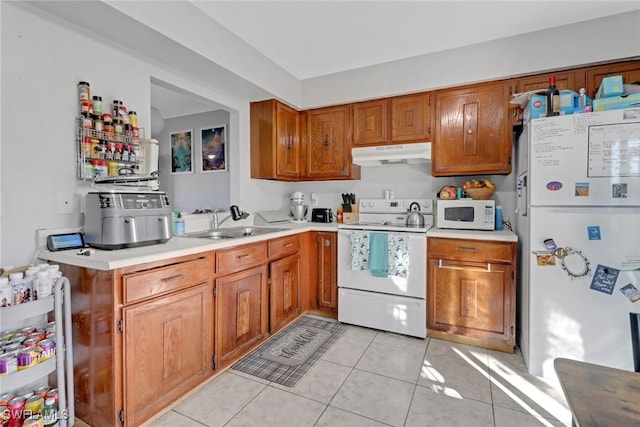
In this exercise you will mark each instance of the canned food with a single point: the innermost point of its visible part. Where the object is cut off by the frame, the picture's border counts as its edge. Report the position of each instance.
(26, 393)
(27, 330)
(16, 407)
(42, 391)
(5, 398)
(31, 342)
(50, 327)
(34, 404)
(12, 347)
(28, 358)
(8, 364)
(51, 336)
(5, 335)
(47, 349)
(4, 415)
(52, 394)
(34, 421)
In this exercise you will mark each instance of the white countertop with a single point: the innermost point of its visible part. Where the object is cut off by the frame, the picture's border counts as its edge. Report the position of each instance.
(496, 235)
(175, 247)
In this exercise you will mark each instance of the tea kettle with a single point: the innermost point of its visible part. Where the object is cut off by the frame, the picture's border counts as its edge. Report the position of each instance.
(414, 217)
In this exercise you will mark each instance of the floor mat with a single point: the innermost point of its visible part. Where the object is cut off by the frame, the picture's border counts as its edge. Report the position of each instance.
(290, 354)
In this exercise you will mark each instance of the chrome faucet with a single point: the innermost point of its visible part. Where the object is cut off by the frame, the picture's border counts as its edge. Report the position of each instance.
(236, 215)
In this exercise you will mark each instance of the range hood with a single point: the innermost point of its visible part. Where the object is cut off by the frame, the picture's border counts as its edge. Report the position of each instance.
(390, 154)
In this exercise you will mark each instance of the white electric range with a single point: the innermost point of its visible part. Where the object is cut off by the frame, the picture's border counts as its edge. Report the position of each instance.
(394, 302)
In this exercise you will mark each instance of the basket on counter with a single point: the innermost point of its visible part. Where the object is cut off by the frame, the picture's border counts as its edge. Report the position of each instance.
(480, 193)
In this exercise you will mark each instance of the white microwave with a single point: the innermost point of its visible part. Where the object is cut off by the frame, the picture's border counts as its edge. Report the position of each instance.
(466, 214)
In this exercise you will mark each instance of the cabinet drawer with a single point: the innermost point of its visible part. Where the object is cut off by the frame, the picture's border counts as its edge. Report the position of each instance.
(470, 250)
(161, 280)
(284, 246)
(242, 257)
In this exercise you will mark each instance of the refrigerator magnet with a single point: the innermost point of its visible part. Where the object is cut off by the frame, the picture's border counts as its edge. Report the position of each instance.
(619, 191)
(582, 189)
(604, 279)
(593, 232)
(631, 292)
(554, 185)
(545, 258)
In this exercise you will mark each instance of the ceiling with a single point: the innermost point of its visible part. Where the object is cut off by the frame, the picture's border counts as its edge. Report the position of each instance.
(314, 38)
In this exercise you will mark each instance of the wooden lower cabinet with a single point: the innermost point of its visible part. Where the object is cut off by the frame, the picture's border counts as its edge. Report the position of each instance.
(327, 244)
(471, 292)
(142, 337)
(165, 350)
(242, 312)
(284, 292)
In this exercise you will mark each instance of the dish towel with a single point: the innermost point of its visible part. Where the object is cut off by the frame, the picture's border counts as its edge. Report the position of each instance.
(378, 254)
(398, 255)
(359, 250)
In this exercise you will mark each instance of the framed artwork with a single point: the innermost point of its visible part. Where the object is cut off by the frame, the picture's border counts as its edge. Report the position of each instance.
(213, 152)
(182, 152)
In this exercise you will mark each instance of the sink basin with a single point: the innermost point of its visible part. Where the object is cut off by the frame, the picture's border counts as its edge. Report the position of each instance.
(232, 233)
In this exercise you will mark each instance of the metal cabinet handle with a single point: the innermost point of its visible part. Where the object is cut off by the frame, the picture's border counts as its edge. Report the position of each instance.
(243, 256)
(326, 141)
(288, 245)
(467, 249)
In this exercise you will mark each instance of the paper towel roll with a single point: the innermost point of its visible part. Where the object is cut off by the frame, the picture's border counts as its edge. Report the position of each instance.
(151, 156)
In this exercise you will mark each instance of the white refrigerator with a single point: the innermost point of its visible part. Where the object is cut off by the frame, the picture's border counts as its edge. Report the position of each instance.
(578, 224)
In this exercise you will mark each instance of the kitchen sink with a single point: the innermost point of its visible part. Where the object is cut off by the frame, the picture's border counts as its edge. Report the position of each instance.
(232, 233)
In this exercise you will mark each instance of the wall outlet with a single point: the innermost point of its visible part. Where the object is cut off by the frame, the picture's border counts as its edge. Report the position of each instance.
(66, 203)
(314, 199)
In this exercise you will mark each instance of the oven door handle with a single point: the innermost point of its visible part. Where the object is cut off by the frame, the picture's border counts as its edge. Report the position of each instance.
(454, 265)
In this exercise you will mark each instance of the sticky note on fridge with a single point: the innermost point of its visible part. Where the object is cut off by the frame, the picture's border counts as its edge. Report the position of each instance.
(594, 232)
(604, 279)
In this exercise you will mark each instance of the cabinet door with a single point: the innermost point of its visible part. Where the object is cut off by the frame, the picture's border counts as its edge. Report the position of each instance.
(167, 350)
(287, 148)
(370, 122)
(472, 131)
(469, 297)
(274, 142)
(328, 142)
(630, 72)
(327, 273)
(285, 292)
(411, 118)
(241, 312)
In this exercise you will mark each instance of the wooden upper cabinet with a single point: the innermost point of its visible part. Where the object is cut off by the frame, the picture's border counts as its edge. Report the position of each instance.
(411, 118)
(630, 72)
(275, 141)
(371, 122)
(569, 80)
(327, 143)
(472, 133)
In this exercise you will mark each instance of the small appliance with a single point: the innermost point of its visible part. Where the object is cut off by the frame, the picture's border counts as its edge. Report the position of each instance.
(321, 215)
(126, 219)
(466, 214)
(298, 209)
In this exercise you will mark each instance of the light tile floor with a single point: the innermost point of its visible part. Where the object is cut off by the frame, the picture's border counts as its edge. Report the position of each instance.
(374, 378)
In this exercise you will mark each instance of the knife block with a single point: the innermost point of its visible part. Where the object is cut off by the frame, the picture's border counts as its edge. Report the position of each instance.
(351, 217)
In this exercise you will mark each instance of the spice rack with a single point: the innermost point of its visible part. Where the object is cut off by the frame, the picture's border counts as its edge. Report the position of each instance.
(103, 153)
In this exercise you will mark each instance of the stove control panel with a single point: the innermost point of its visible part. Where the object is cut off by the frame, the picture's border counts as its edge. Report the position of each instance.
(395, 205)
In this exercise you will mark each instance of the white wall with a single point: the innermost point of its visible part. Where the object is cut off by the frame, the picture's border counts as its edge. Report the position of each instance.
(195, 190)
(43, 58)
(599, 40)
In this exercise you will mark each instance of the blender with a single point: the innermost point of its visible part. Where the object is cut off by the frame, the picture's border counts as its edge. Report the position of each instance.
(298, 210)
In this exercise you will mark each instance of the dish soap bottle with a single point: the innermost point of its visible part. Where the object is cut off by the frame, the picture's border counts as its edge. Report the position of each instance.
(178, 223)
